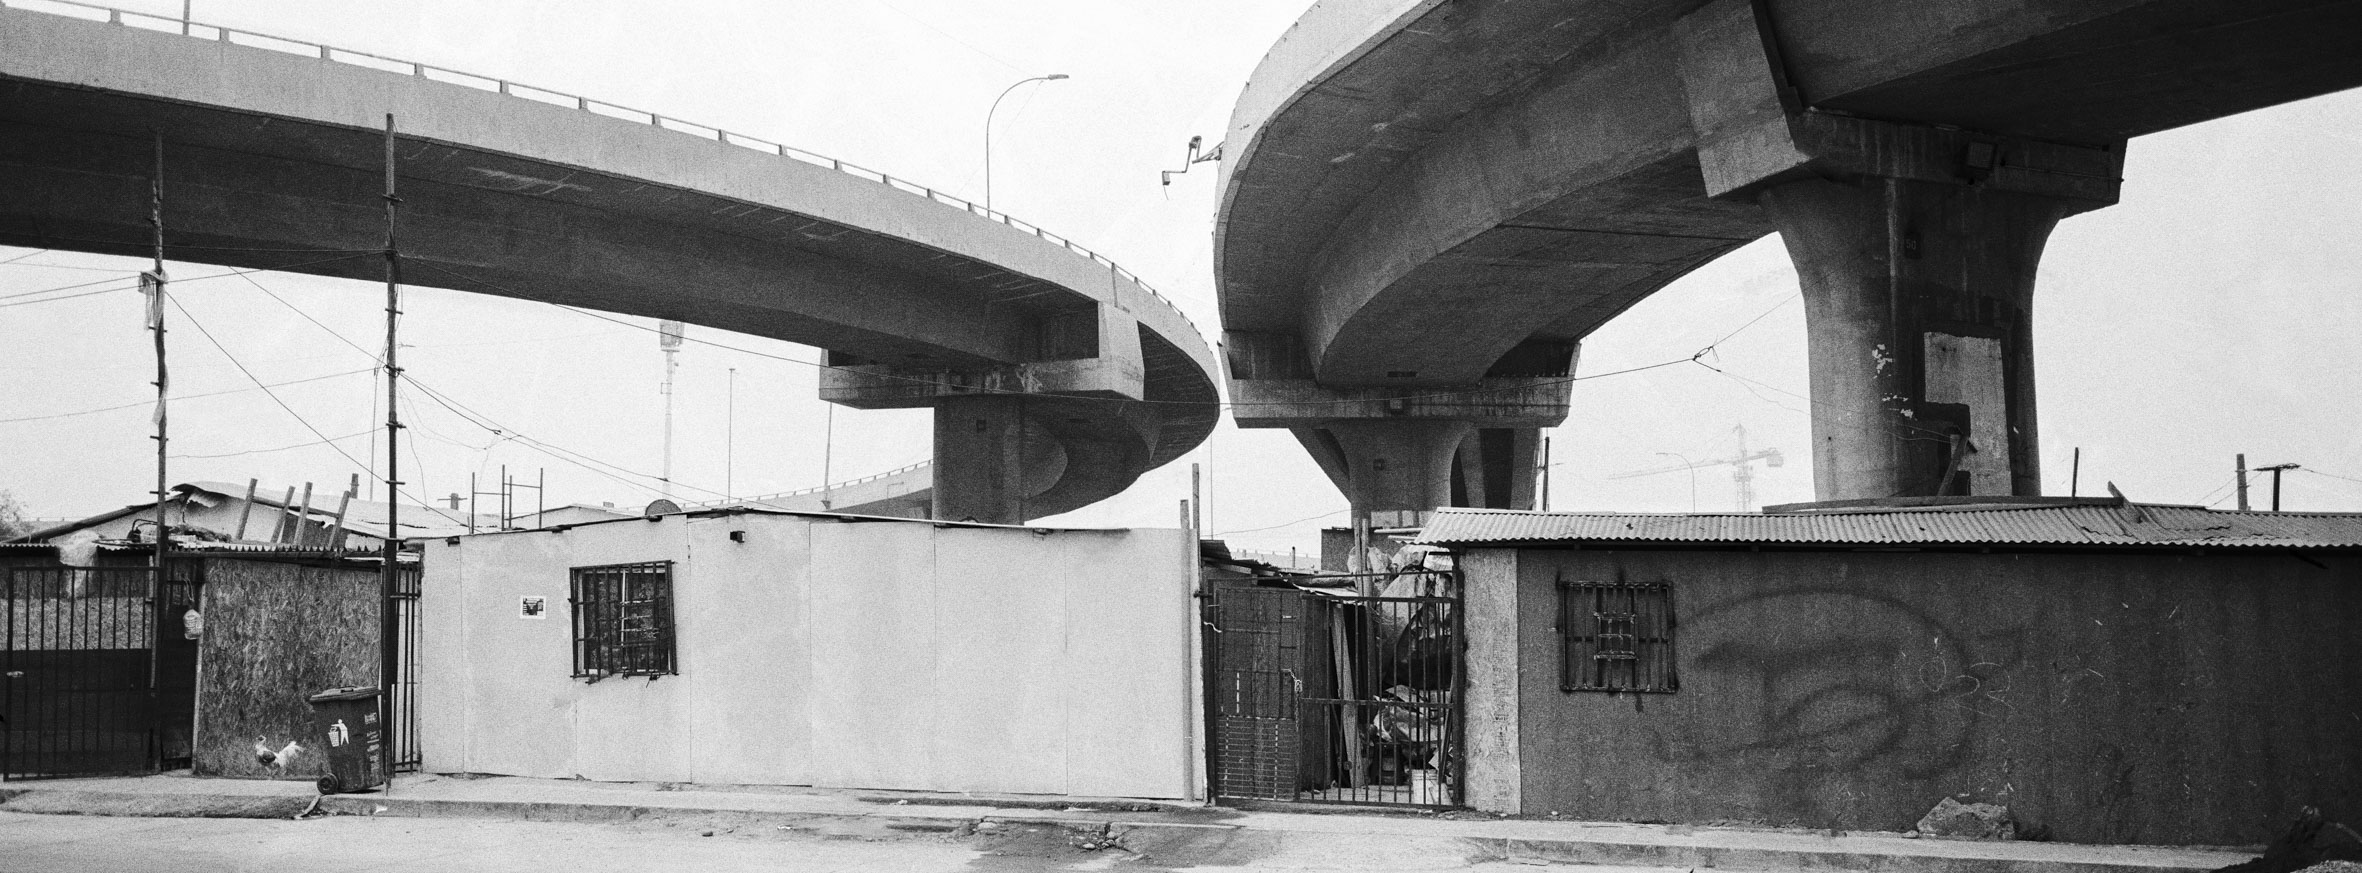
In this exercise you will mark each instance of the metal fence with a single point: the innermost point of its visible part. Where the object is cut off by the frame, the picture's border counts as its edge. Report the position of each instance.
(78, 672)
(1327, 692)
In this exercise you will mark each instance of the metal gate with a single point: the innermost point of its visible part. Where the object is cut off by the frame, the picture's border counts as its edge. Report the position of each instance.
(403, 690)
(87, 684)
(1336, 689)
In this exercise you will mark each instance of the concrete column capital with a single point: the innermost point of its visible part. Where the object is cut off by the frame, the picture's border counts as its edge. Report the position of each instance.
(1755, 130)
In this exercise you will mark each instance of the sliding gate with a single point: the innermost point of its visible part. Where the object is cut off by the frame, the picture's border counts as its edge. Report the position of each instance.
(87, 685)
(1325, 692)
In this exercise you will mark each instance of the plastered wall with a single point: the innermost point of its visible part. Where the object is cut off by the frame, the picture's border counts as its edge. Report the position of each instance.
(879, 654)
(2105, 698)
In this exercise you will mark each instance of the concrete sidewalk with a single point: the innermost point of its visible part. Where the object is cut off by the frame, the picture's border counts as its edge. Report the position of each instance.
(1151, 827)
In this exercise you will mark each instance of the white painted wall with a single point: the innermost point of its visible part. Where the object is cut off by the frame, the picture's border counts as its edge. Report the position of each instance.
(874, 654)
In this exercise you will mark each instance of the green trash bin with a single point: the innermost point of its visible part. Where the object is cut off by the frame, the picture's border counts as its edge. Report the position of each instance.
(347, 724)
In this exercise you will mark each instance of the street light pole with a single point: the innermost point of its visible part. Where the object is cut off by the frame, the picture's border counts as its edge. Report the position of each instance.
(1693, 477)
(996, 107)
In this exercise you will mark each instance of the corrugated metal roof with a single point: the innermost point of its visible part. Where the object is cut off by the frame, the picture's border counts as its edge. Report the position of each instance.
(2087, 524)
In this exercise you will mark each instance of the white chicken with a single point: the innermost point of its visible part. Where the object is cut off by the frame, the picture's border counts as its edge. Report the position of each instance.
(264, 755)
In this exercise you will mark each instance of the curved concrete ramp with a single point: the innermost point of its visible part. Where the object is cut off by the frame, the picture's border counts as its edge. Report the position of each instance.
(273, 158)
(1425, 195)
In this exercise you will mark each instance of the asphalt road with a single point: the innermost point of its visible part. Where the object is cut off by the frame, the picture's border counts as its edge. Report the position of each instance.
(348, 844)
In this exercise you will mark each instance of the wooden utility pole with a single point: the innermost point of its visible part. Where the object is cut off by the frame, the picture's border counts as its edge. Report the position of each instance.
(389, 579)
(2276, 470)
(2242, 482)
(152, 282)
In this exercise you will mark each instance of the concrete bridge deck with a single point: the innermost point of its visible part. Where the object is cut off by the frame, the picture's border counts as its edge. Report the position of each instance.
(1426, 195)
(273, 158)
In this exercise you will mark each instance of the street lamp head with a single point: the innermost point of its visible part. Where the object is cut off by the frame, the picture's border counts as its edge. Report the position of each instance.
(1055, 76)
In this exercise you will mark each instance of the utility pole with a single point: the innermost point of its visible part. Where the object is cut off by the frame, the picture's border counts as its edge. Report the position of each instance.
(2242, 482)
(2276, 470)
(389, 668)
(152, 282)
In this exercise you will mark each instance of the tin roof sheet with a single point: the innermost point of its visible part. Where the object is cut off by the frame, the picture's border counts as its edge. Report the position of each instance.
(2088, 524)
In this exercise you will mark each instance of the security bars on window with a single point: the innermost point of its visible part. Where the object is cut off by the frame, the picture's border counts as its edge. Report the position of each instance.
(1618, 636)
(623, 620)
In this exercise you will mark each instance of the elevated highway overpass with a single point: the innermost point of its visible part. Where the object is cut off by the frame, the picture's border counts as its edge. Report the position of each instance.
(1429, 203)
(1056, 377)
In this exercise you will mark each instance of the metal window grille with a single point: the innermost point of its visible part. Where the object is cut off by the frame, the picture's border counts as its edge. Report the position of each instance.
(1618, 636)
(623, 620)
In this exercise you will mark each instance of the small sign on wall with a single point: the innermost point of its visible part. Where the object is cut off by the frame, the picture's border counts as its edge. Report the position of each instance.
(533, 607)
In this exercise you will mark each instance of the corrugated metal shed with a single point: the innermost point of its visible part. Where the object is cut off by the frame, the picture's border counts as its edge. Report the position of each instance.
(2079, 524)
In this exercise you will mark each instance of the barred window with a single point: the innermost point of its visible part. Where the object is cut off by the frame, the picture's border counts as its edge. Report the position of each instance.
(623, 620)
(1618, 636)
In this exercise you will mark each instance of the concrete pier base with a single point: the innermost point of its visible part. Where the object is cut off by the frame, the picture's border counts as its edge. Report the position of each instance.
(989, 459)
(1918, 300)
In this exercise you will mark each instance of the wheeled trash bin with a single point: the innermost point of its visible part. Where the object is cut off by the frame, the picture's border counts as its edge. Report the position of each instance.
(347, 724)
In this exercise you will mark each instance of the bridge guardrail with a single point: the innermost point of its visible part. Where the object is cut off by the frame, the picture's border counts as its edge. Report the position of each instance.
(251, 39)
(837, 486)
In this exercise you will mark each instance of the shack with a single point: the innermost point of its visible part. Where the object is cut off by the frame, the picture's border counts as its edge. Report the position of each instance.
(2112, 672)
(772, 647)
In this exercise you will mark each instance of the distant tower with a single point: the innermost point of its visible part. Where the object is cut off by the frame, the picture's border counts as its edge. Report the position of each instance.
(668, 338)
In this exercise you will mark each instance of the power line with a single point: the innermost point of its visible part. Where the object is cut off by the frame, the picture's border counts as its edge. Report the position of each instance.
(1281, 525)
(299, 419)
(135, 284)
(970, 389)
(185, 397)
(283, 448)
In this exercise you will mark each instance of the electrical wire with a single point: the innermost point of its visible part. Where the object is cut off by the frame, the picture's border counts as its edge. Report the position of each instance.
(2330, 475)
(283, 448)
(299, 419)
(969, 389)
(136, 285)
(477, 419)
(1282, 524)
(152, 402)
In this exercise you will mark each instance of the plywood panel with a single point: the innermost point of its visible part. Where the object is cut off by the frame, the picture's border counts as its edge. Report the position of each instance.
(275, 634)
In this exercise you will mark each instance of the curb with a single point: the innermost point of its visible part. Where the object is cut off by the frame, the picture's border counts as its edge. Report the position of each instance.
(1156, 837)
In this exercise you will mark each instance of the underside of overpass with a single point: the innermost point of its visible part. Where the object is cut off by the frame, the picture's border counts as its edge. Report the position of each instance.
(1430, 203)
(277, 161)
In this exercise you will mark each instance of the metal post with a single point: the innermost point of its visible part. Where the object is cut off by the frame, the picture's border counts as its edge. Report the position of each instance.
(996, 107)
(730, 436)
(2242, 474)
(2075, 475)
(389, 664)
(828, 444)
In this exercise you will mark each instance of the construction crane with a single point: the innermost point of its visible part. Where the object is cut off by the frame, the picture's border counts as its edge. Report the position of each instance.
(1742, 464)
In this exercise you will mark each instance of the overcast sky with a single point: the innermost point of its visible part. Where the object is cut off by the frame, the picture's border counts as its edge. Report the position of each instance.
(2213, 311)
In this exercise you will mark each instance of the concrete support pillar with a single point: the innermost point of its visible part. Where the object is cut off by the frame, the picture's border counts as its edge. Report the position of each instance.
(1918, 300)
(980, 457)
(1916, 243)
(1394, 471)
(1495, 468)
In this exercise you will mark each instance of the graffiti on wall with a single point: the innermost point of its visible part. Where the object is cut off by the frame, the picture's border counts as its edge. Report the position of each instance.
(1825, 694)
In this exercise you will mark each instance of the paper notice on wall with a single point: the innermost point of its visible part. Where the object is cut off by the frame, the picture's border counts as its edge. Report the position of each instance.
(1967, 370)
(533, 607)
